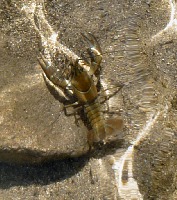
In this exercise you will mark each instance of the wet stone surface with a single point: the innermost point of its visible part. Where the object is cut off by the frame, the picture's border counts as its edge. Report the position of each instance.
(34, 127)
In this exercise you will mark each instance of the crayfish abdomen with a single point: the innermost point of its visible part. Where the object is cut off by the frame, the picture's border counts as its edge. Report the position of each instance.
(102, 129)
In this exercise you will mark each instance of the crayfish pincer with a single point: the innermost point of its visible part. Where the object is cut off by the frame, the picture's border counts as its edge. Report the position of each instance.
(82, 86)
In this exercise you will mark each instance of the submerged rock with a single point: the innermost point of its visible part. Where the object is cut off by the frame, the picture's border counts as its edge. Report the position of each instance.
(34, 127)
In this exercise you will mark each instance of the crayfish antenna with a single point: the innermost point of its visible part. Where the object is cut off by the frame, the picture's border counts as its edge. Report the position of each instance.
(94, 51)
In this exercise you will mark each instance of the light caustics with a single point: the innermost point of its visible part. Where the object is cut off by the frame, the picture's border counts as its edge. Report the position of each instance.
(129, 189)
(35, 12)
(123, 167)
(172, 24)
(173, 20)
(8, 103)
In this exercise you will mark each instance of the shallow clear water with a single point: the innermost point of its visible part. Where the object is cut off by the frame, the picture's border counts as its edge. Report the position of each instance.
(142, 38)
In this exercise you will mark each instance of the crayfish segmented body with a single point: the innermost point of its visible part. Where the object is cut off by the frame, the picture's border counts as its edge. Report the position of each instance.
(84, 88)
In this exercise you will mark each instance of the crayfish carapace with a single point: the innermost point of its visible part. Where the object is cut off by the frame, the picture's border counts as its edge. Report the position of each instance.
(81, 84)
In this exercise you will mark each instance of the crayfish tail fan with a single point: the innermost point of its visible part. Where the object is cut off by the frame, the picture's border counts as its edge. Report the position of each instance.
(114, 127)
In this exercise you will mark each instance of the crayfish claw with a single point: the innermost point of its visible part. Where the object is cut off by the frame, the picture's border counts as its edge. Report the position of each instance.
(94, 51)
(93, 43)
(51, 72)
(42, 60)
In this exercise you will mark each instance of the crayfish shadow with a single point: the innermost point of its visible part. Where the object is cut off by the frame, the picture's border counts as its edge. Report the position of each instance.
(40, 174)
(101, 150)
(51, 171)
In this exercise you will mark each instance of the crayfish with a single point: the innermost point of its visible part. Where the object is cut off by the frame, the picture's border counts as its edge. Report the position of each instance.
(82, 86)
